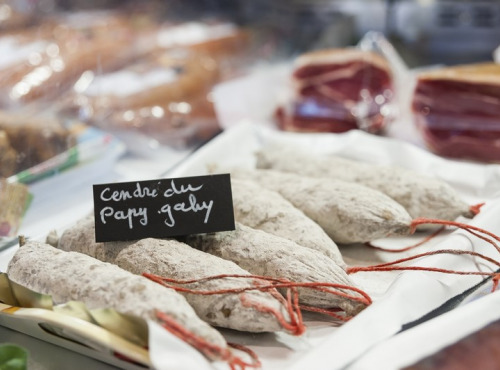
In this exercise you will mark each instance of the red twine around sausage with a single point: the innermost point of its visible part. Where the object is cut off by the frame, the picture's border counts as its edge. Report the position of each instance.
(210, 350)
(296, 326)
(269, 284)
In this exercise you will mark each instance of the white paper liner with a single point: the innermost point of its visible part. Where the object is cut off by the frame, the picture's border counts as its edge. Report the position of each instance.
(166, 351)
(192, 33)
(444, 331)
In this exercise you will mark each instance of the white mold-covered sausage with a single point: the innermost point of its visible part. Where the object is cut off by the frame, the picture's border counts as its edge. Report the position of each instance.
(422, 196)
(348, 212)
(267, 210)
(265, 254)
(175, 260)
(68, 276)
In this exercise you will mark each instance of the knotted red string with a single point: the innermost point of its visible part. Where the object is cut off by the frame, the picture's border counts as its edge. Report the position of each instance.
(296, 327)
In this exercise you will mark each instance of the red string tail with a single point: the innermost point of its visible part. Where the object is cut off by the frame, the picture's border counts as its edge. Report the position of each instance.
(475, 208)
(255, 359)
(352, 270)
(495, 279)
(404, 249)
(210, 350)
(332, 312)
(480, 233)
(390, 266)
(471, 229)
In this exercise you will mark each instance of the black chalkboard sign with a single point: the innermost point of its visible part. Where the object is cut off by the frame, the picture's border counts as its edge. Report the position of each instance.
(163, 208)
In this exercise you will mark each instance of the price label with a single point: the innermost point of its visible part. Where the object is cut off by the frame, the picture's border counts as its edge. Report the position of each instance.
(163, 208)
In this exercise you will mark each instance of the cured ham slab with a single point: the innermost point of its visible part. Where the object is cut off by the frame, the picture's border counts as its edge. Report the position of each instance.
(337, 90)
(457, 110)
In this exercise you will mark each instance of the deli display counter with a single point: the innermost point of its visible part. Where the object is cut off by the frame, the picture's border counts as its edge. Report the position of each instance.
(249, 184)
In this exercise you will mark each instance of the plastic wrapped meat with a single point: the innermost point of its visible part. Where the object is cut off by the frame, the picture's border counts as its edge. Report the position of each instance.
(457, 110)
(13, 17)
(220, 40)
(178, 124)
(43, 64)
(155, 80)
(55, 75)
(163, 97)
(338, 90)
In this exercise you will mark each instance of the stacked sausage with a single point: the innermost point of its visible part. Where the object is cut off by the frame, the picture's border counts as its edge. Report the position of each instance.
(288, 226)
